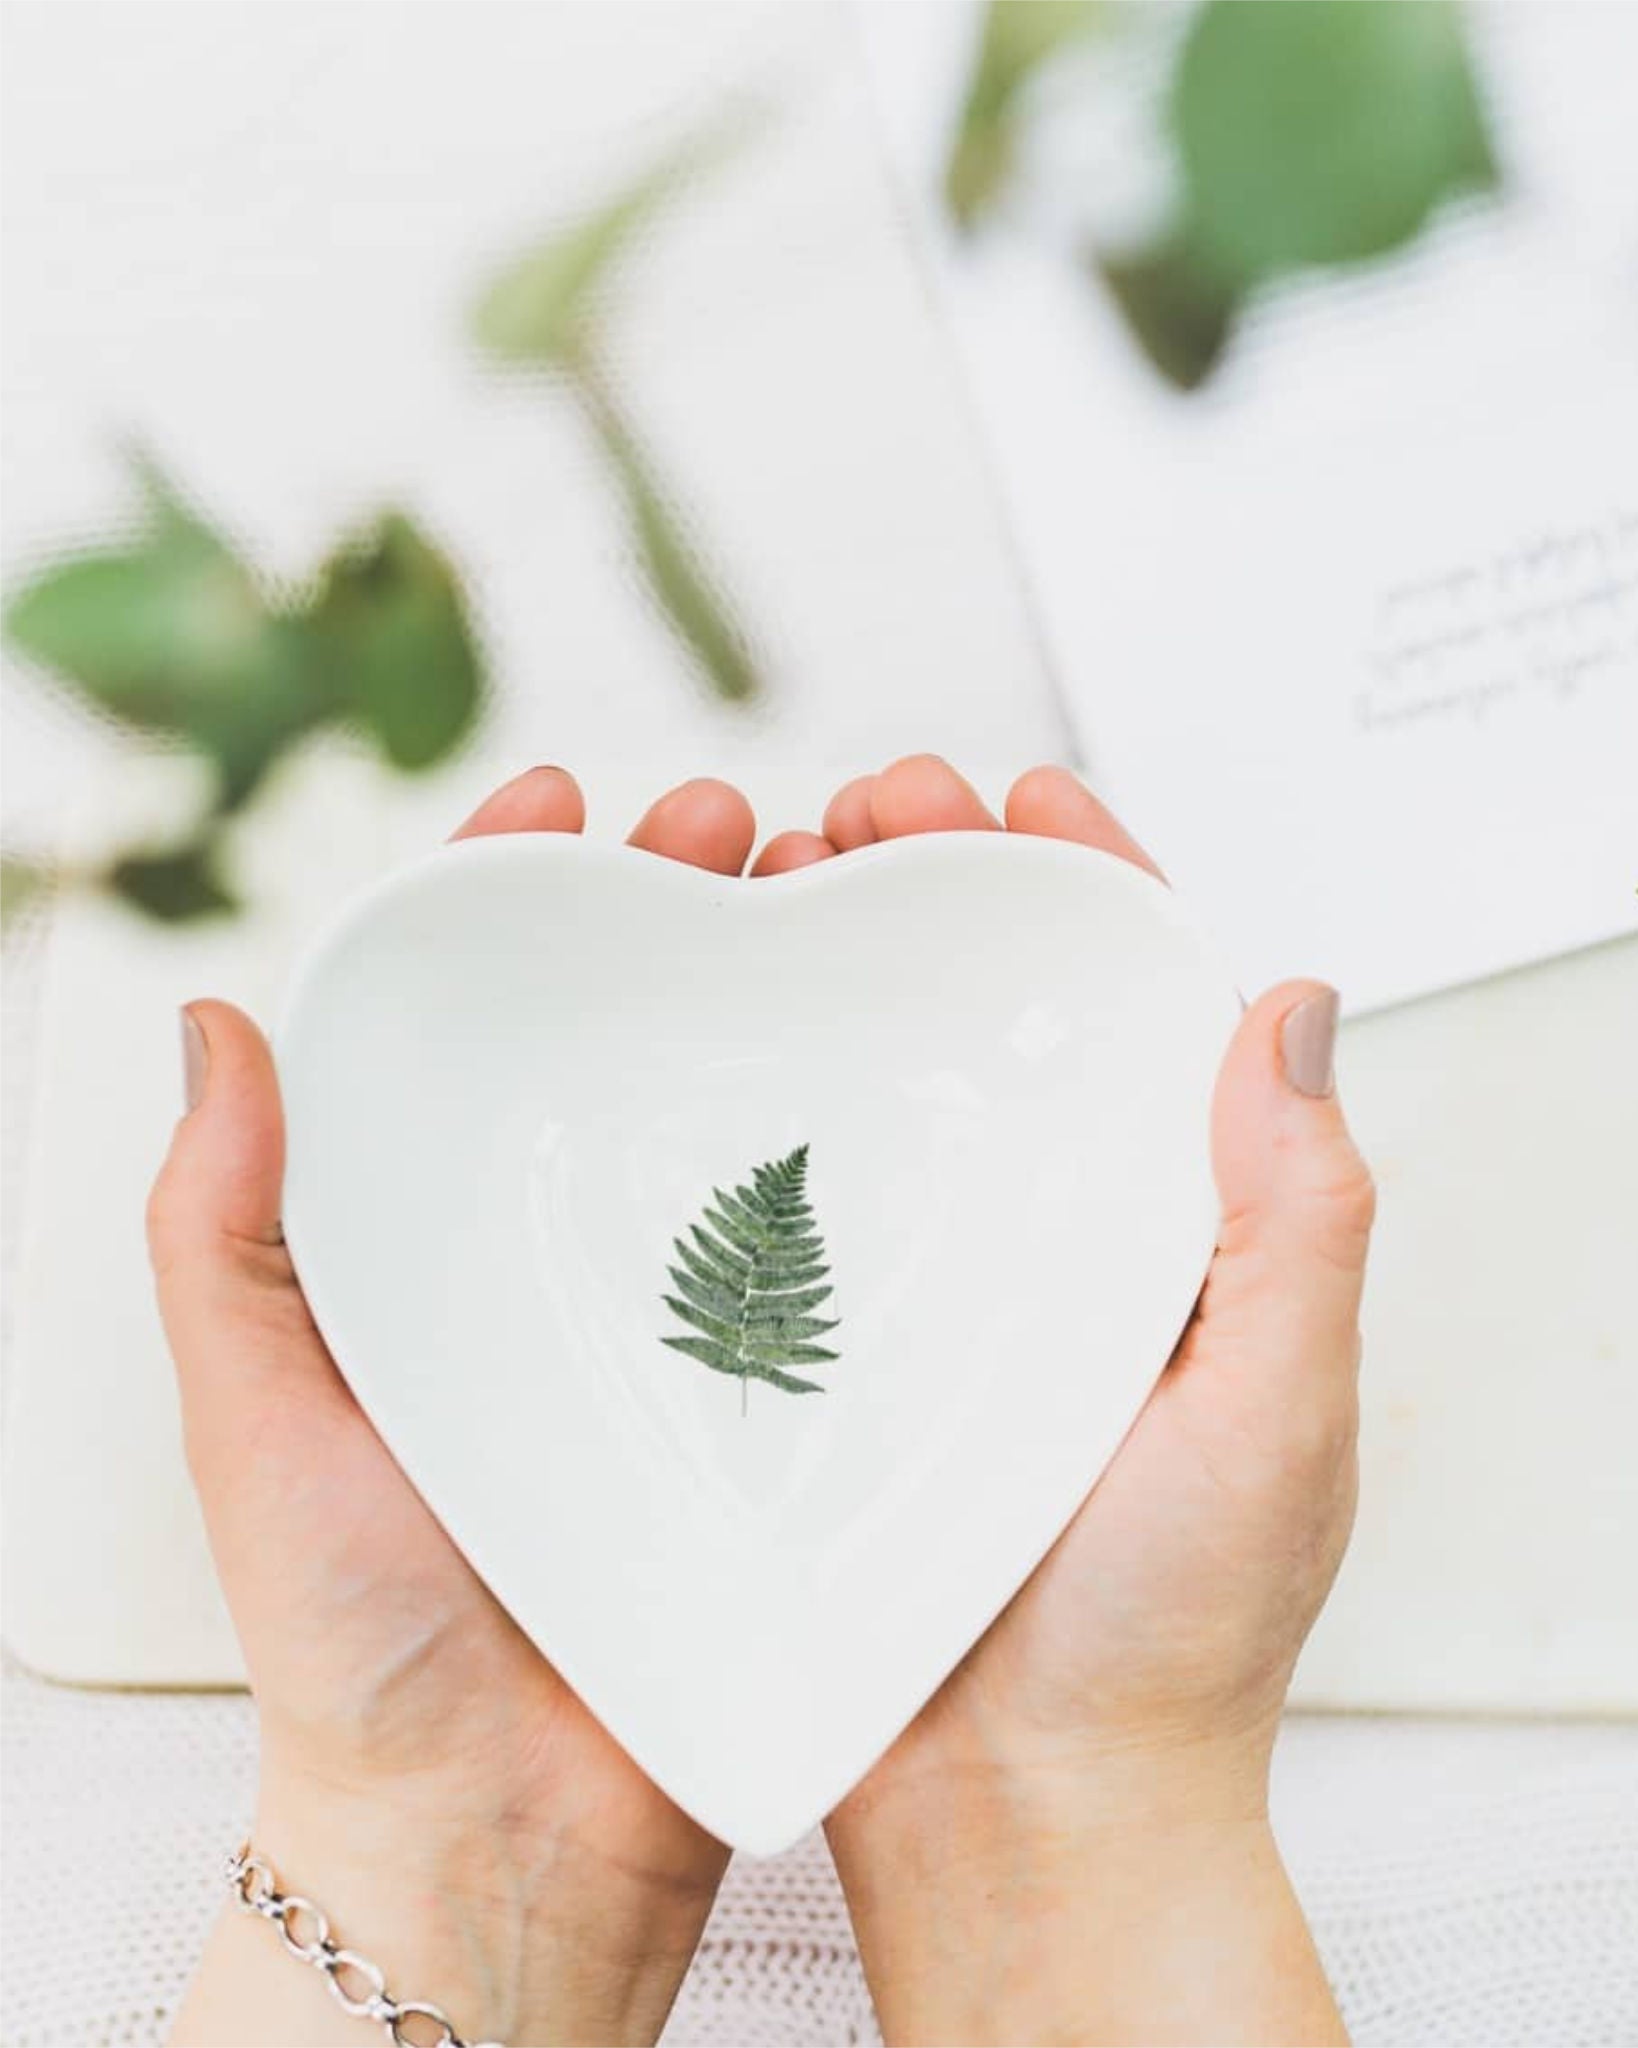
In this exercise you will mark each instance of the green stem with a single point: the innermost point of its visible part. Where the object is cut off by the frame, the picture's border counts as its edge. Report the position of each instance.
(739, 1345)
(698, 613)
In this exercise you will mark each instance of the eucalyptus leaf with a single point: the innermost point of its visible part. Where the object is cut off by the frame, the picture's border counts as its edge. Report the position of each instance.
(391, 627)
(1324, 132)
(152, 634)
(173, 887)
(172, 634)
(1018, 37)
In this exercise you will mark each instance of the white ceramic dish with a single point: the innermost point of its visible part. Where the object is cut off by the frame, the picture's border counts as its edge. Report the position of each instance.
(515, 1073)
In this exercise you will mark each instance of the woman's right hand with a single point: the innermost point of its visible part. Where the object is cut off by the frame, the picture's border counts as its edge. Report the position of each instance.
(426, 1776)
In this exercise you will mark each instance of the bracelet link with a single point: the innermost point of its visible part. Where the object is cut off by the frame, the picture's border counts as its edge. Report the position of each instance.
(290, 1911)
(252, 1881)
(255, 1888)
(415, 2009)
(374, 2004)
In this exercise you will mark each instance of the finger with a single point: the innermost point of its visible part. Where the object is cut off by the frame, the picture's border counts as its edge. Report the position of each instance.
(227, 1292)
(923, 793)
(1051, 803)
(538, 800)
(1296, 1198)
(847, 822)
(224, 1177)
(705, 824)
(792, 850)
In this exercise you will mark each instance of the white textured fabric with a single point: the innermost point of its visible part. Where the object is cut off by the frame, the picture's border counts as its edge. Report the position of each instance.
(1468, 1883)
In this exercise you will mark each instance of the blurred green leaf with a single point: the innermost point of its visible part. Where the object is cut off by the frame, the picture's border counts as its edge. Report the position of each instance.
(149, 633)
(681, 586)
(1324, 132)
(1319, 133)
(390, 623)
(1178, 308)
(171, 634)
(1018, 37)
(173, 887)
(23, 883)
(174, 633)
(541, 309)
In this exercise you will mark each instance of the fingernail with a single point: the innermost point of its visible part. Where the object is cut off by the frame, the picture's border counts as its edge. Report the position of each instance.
(1308, 1040)
(194, 1059)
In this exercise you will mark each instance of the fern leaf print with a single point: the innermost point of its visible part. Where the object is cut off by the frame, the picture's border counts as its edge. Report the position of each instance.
(749, 1277)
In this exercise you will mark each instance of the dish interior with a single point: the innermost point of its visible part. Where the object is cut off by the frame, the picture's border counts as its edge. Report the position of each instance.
(516, 1084)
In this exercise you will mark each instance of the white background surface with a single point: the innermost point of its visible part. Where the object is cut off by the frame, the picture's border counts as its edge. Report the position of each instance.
(289, 339)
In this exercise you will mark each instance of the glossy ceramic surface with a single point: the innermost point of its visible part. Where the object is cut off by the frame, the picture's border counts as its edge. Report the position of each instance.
(514, 1076)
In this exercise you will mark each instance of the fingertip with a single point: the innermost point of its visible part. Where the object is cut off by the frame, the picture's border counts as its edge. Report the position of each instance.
(223, 1045)
(847, 822)
(1050, 802)
(1042, 797)
(923, 793)
(704, 823)
(195, 1059)
(223, 1176)
(1254, 1064)
(790, 850)
(1308, 1039)
(542, 799)
(1260, 1034)
(1280, 1140)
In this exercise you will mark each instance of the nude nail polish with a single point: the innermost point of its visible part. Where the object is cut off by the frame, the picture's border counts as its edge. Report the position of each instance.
(1308, 1039)
(194, 1057)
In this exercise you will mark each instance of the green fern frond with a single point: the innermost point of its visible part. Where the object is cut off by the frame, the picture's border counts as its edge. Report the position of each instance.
(750, 1278)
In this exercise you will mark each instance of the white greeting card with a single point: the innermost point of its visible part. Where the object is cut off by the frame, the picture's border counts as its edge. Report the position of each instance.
(1350, 637)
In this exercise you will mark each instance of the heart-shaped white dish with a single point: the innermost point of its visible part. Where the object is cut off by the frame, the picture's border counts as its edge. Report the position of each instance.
(513, 1076)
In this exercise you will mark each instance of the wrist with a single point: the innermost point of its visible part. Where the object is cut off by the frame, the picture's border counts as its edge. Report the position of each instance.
(522, 1926)
(1128, 1897)
(973, 1798)
(525, 1925)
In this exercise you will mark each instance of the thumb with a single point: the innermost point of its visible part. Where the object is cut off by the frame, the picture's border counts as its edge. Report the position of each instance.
(227, 1292)
(222, 1183)
(1297, 1198)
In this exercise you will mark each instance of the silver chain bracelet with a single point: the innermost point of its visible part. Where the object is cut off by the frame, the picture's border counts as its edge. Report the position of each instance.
(358, 1986)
